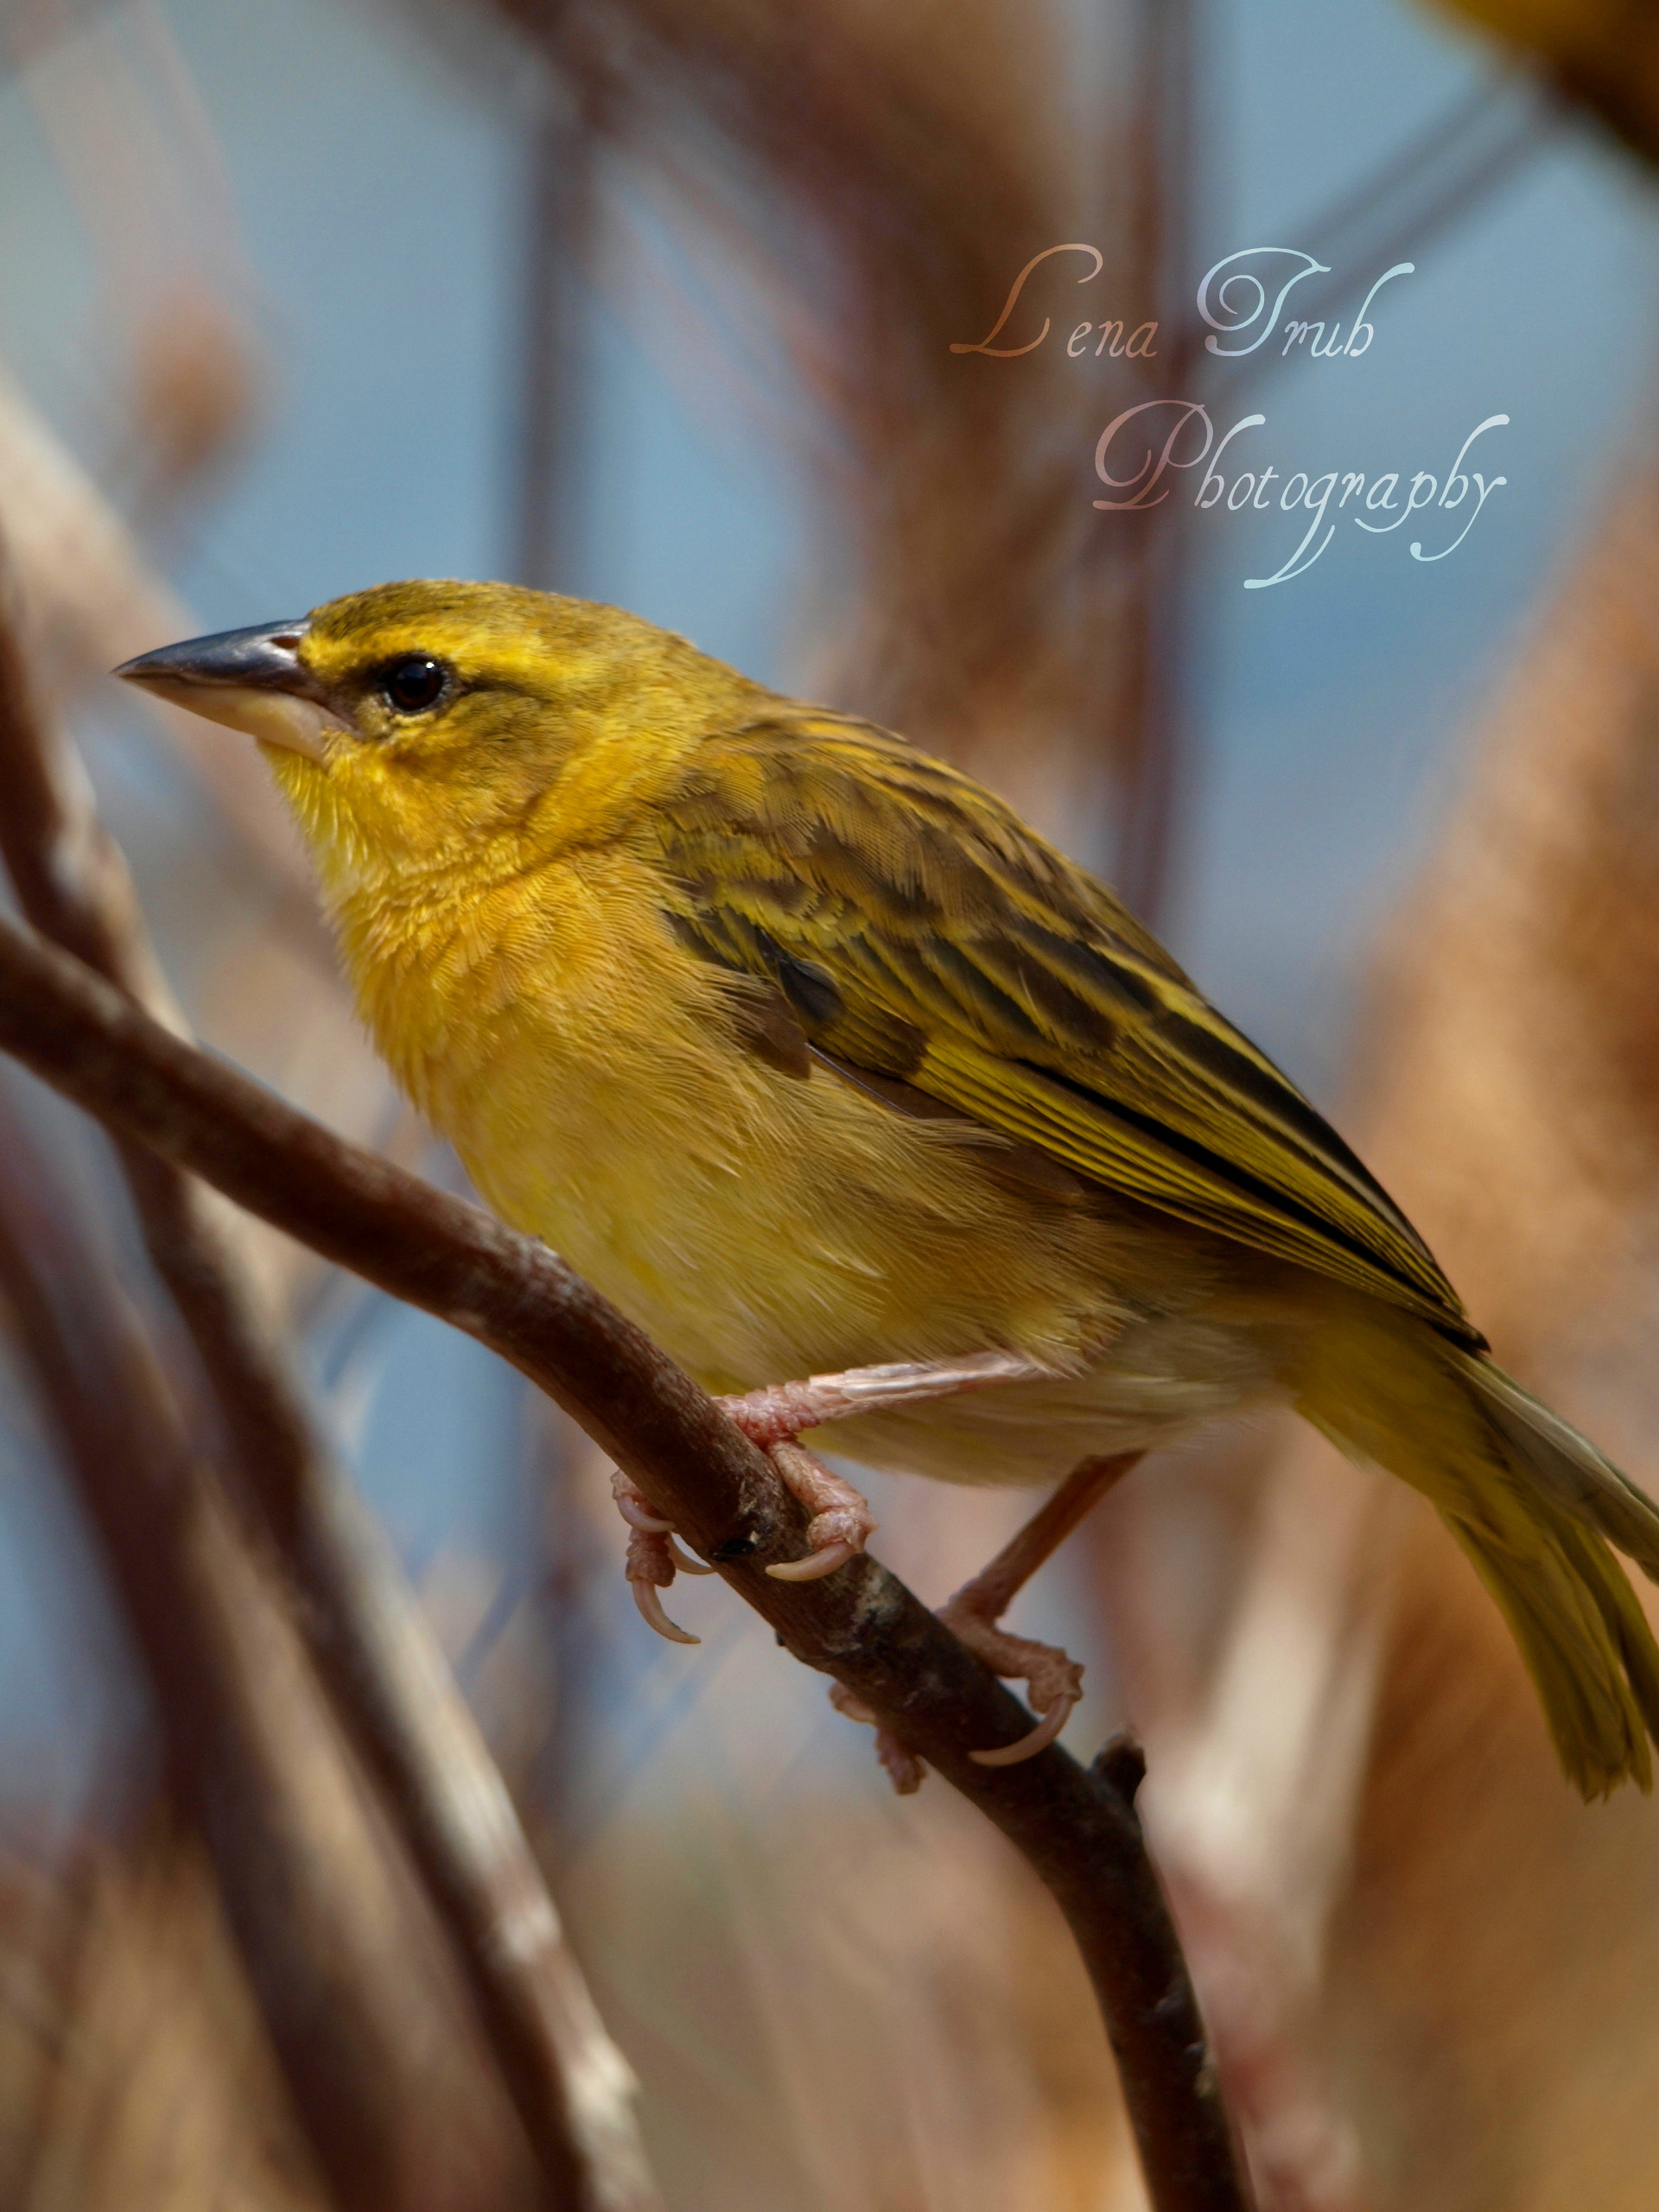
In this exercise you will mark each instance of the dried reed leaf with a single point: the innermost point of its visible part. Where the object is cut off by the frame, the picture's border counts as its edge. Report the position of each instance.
(1503, 1941)
(134, 2073)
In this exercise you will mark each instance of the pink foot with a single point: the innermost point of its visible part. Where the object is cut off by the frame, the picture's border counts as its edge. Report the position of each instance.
(1056, 1682)
(653, 1558)
(841, 1523)
(1056, 1686)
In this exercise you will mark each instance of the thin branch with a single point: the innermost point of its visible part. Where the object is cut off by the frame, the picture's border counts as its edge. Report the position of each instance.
(572, 2089)
(361, 2007)
(1078, 1830)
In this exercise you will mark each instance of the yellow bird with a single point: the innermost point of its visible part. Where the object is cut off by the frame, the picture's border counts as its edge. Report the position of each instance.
(812, 1055)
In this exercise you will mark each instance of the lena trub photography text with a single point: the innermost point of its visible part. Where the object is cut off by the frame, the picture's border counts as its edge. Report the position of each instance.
(1149, 451)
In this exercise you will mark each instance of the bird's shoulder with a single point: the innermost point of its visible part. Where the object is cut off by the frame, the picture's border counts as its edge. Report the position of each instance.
(829, 811)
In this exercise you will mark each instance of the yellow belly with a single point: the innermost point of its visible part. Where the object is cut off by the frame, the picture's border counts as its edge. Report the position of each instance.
(760, 1225)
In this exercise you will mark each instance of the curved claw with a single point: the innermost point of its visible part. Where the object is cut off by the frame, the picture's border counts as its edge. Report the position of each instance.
(632, 1507)
(650, 1611)
(637, 1517)
(816, 1565)
(1028, 1746)
(684, 1562)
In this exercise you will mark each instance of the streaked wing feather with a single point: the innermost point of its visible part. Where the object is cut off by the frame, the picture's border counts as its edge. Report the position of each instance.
(920, 932)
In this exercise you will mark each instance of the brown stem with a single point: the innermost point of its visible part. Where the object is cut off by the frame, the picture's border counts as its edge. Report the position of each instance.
(394, 1694)
(860, 1625)
(362, 2007)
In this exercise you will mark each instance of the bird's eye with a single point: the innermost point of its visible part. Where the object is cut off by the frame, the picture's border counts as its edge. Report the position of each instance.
(413, 683)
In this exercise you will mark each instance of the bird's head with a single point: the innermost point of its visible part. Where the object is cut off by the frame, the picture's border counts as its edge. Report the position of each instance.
(421, 725)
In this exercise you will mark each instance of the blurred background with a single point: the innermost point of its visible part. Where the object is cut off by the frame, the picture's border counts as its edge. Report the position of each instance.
(654, 300)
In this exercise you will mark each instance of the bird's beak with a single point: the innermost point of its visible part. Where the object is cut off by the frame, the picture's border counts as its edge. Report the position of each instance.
(252, 680)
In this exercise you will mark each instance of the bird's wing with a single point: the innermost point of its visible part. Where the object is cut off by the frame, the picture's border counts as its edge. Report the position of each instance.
(919, 933)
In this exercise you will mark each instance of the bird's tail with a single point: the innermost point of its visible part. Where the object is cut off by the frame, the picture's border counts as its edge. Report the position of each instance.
(1531, 1502)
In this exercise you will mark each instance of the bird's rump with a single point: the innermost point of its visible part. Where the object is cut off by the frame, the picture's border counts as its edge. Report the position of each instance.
(917, 932)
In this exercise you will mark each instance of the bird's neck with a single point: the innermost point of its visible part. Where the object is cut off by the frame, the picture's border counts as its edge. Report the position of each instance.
(415, 942)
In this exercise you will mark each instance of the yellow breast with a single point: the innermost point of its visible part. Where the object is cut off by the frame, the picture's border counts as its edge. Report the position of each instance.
(585, 1067)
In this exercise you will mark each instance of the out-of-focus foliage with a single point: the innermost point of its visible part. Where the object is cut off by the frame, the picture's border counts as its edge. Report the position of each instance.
(134, 2073)
(1499, 1954)
(1603, 53)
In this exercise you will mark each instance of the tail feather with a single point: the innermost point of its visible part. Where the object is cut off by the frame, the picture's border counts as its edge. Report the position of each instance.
(1530, 1501)
(1588, 1647)
(1567, 1464)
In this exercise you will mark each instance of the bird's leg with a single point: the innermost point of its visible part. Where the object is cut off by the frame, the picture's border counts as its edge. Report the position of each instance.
(774, 1417)
(653, 1557)
(1056, 1682)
